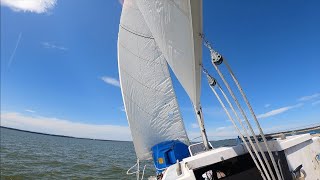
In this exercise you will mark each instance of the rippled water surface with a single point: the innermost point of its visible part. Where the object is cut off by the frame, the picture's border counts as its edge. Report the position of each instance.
(34, 156)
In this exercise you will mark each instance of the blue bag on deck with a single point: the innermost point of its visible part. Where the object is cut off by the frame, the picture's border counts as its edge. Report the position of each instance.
(167, 153)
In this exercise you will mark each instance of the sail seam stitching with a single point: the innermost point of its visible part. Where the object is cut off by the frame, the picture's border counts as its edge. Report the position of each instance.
(154, 61)
(135, 33)
(143, 84)
(177, 6)
(142, 109)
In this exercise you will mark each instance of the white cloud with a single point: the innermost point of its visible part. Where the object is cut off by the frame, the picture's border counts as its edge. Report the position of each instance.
(267, 105)
(215, 111)
(278, 111)
(311, 97)
(316, 103)
(111, 81)
(64, 127)
(194, 125)
(215, 134)
(229, 132)
(14, 50)
(122, 109)
(53, 46)
(36, 6)
(221, 128)
(294, 125)
(29, 110)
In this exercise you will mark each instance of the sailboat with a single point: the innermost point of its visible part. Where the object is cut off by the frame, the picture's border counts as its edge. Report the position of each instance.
(155, 35)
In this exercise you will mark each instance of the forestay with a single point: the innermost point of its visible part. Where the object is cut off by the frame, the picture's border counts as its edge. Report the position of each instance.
(147, 91)
(176, 26)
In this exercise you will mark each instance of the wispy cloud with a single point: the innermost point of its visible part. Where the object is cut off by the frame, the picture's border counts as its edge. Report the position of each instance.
(311, 97)
(267, 105)
(49, 45)
(64, 127)
(214, 111)
(111, 81)
(227, 132)
(14, 50)
(215, 134)
(221, 128)
(29, 110)
(122, 109)
(278, 111)
(36, 6)
(194, 125)
(316, 103)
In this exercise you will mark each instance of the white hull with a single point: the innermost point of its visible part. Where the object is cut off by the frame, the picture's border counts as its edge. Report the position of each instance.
(290, 153)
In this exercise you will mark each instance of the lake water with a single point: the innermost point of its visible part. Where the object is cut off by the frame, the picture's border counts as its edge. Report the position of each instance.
(33, 156)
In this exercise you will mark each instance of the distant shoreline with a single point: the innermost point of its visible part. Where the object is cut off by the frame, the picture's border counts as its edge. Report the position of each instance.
(56, 135)
(302, 130)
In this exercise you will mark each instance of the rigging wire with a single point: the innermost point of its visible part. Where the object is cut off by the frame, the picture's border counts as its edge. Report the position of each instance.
(212, 83)
(246, 119)
(216, 60)
(255, 119)
(245, 130)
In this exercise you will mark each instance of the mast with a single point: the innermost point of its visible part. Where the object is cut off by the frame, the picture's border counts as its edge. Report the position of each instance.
(196, 23)
(204, 136)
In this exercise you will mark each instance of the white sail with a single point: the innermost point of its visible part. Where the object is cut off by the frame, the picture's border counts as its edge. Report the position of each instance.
(147, 91)
(176, 26)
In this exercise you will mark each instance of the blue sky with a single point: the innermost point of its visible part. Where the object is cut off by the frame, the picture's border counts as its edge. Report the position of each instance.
(59, 69)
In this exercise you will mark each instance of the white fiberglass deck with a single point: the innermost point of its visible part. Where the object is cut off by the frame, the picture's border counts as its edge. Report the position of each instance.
(214, 156)
(223, 153)
(298, 150)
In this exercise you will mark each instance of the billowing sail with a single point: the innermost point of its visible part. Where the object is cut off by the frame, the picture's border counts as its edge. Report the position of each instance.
(176, 26)
(147, 91)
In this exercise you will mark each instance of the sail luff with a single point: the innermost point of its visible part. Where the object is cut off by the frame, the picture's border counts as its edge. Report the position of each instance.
(196, 18)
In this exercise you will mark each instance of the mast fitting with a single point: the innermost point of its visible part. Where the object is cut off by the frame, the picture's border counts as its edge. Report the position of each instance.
(216, 57)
